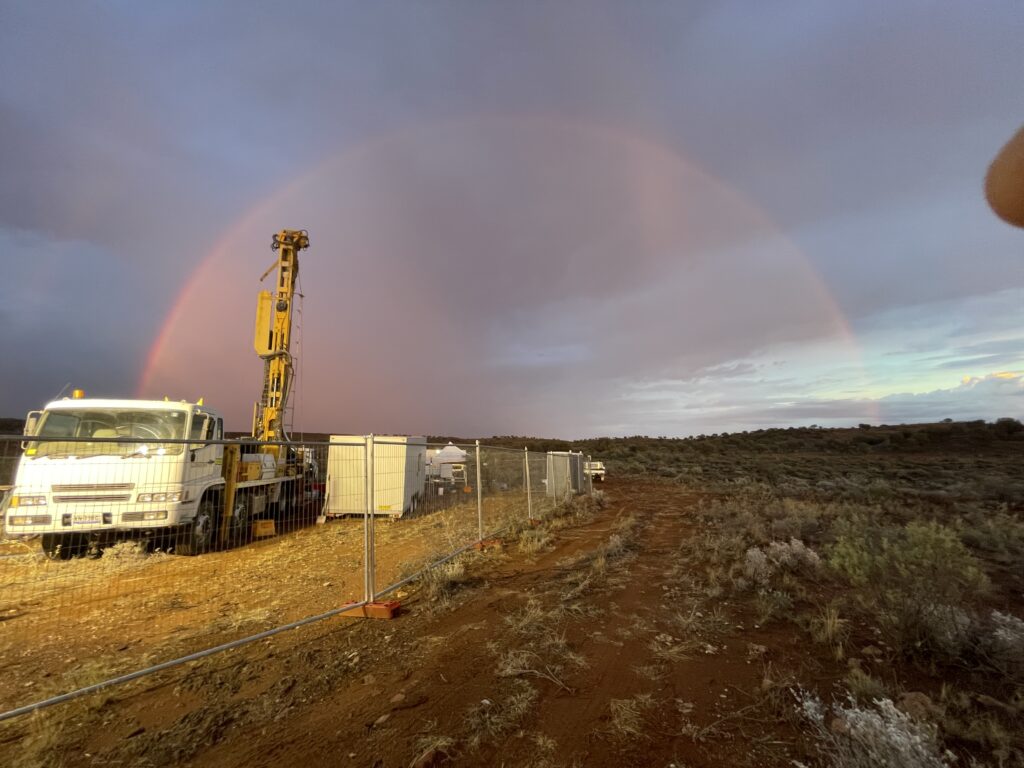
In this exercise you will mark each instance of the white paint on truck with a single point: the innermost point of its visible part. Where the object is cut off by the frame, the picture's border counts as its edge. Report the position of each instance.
(88, 488)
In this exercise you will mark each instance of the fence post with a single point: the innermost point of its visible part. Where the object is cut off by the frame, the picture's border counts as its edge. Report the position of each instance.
(479, 497)
(590, 476)
(369, 556)
(529, 496)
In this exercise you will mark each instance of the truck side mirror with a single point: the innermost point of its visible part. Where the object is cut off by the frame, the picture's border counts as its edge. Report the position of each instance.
(31, 424)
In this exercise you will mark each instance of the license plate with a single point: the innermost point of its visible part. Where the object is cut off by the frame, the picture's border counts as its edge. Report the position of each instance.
(84, 518)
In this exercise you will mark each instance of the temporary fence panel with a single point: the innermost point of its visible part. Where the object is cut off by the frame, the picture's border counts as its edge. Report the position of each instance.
(118, 607)
(578, 473)
(566, 475)
(504, 500)
(90, 565)
(559, 475)
(445, 520)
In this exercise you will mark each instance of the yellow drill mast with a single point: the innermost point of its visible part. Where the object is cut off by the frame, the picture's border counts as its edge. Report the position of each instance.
(273, 336)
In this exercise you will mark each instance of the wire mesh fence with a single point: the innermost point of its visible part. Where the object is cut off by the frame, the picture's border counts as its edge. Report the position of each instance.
(140, 541)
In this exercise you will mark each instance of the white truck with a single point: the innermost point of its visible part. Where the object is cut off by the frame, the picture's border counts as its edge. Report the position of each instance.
(595, 469)
(95, 471)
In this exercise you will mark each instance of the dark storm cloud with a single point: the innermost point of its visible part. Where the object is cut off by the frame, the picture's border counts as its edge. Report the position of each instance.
(519, 268)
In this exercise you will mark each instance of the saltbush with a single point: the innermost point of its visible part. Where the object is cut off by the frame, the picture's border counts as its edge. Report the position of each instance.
(761, 562)
(1003, 642)
(879, 736)
(915, 580)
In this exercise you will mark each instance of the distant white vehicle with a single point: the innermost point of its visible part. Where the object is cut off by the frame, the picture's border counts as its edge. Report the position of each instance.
(595, 469)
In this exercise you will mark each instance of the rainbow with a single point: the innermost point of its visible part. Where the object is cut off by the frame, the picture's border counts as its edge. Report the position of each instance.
(658, 155)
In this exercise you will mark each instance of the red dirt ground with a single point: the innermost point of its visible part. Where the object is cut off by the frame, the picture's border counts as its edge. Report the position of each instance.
(415, 690)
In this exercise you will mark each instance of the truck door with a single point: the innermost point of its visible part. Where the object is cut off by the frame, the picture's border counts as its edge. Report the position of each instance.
(203, 462)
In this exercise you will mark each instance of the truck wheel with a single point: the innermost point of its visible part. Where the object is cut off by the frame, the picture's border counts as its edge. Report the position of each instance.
(62, 546)
(198, 536)
(240, 528)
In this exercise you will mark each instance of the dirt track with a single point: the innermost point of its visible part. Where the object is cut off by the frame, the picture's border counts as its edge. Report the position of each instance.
(613, 676)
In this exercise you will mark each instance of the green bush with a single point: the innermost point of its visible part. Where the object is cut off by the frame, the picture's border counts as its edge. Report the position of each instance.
(915, 579)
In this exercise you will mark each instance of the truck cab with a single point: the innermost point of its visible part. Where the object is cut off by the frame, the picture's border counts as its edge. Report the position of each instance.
(97, 470)
(595, 469)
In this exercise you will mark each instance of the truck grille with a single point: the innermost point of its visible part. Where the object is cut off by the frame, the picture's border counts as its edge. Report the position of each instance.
(80, 499)
(93, 487)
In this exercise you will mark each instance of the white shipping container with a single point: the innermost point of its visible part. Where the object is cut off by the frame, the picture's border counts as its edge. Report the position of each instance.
(399, 475)
(565, 475)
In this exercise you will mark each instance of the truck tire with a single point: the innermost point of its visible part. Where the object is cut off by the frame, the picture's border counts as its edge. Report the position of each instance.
(198, 537)
(62, 546)
(240, 526)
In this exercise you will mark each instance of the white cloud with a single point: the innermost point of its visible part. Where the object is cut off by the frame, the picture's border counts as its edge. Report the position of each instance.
(735, 405)
(976, 397)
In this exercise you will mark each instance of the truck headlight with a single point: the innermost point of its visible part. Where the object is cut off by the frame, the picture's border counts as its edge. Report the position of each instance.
(28, 501)
(29, 520)
(161, 496)
(135, 517)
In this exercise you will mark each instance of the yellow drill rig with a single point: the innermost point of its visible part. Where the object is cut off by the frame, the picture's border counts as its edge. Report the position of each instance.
(273, 339)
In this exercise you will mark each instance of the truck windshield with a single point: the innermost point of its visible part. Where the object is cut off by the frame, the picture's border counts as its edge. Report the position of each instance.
(142, 432)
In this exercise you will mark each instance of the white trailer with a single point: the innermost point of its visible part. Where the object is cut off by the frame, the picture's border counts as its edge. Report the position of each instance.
(565, 475)
(399, 475)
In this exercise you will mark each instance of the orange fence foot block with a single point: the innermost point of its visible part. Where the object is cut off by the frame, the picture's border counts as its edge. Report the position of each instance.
(480, 546)
(386, 610)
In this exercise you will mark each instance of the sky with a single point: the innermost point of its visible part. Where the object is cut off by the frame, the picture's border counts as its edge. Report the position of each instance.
(560, 218)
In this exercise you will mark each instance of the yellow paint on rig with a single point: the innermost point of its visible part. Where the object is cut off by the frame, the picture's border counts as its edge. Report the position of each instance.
(274, 325)
(263, 338)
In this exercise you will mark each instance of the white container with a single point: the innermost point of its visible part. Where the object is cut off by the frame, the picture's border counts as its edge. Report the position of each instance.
(399, 475)
(565, 474)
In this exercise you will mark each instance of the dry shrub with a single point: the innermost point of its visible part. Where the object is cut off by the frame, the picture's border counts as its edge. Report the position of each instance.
(442, 581)
(999, 535)
(828, 627)
(995, 730)
(489, 721)
(879, 736)
(627, 716)
(772, 604)
(865, 687)
(779, 556)
(1001, 643)
(533, 540)
(757, 568)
